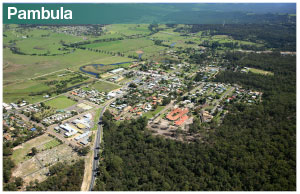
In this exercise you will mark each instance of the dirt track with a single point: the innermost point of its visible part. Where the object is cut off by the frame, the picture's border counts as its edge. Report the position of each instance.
(88, 170)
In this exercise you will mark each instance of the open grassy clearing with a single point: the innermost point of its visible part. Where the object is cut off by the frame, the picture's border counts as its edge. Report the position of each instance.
(121, 45)
(228, 39)
(34, 90)
(45, 45)
(259, 71)
(15, 92)
(151, 114)
(51, 144)
(148, 51)
(60, 102)
(20, 154)
(40, 41)
(104, 86)
(128, 29)
(37, 167)
(18, 67)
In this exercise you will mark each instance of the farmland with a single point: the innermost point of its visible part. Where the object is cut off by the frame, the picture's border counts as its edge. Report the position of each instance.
(33, 90)
(122, 45)
(127, 30)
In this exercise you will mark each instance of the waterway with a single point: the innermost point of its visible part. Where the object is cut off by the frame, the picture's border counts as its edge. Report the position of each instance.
(96, 66)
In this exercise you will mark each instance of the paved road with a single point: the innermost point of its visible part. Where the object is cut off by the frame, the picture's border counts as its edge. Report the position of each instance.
(222, 97)
(97, 146)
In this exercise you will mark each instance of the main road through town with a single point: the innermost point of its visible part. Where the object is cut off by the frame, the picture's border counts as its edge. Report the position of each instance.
(97, 147)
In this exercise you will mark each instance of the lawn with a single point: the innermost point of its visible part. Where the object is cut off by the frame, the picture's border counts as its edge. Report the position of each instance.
(96, 119)
(60, 102)
(151, 114)
(51, 144)
(104, 86)
(19, 155)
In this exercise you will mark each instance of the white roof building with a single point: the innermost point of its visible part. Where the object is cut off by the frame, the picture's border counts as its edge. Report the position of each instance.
(117, 70)
(82, 135)
(70, 130)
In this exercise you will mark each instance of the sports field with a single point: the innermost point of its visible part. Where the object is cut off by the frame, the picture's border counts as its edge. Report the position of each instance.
(104, 86)
(60, 102)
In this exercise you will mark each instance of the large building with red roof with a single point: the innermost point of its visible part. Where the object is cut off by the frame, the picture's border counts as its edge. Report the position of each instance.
(178, 115)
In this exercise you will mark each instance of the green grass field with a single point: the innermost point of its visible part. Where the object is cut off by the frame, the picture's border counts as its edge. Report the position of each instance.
(21, 90)
(104, 86)
(128, 29)
(259, 71)
(60, 102)
(51, 144)
(14, 91)
(96, 119)
(122, 45)
(151, 114)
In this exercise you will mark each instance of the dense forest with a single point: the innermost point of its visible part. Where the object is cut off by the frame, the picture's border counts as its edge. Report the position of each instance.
(254, 148)
(280, 36)
(62, 177)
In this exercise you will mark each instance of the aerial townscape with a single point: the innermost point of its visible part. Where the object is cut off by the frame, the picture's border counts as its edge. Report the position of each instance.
(150, 107)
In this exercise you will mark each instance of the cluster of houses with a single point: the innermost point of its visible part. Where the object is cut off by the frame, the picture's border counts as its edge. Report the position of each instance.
(92, 95)
(14, 105)
(119, 107)
(245, 96)
(11, 123)
(115, 78)
(57, 117)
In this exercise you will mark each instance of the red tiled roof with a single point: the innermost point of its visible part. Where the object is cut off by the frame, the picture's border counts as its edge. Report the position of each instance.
(180, 112)
(181, 120)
